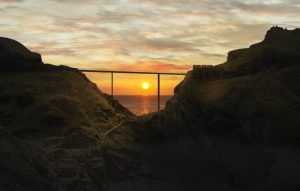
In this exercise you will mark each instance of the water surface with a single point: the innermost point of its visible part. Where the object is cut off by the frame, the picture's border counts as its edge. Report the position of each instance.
(140, 104)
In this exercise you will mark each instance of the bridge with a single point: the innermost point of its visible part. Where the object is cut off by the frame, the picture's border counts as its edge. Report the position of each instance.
(112, 72)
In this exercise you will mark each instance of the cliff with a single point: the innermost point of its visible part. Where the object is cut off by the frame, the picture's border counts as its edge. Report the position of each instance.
(258, 101)
(280, 48)
(233, 126)
(15, 56)
(53, 123)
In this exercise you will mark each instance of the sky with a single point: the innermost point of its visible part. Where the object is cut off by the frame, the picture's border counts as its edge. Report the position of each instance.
(141, 35)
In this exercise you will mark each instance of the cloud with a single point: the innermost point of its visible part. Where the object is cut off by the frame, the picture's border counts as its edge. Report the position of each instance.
(11, 1)
(149, 34)
(153, 65)
(11, 7)
(122, 51)
(168, 44)
(266, 7)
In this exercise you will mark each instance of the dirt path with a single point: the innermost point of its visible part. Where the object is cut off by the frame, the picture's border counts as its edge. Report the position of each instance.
(103, 151)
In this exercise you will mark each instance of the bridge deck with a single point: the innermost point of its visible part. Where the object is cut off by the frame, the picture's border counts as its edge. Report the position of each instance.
(133, 72)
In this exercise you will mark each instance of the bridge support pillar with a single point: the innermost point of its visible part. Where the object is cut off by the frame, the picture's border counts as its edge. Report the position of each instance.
(158, 92)
(112, 84)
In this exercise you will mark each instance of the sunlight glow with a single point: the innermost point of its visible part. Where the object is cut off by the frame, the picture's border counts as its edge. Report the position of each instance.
(145, 85)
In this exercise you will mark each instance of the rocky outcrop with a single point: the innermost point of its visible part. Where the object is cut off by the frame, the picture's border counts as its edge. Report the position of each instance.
(278, 36)
(53, 126)
(15, 56)
(239, 132)
(255, 101)
(280, 48)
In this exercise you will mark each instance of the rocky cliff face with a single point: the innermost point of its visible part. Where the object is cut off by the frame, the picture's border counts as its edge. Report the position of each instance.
(258, 105)
(235, 131)
(53, 123)
(15, 56)
(280, 48)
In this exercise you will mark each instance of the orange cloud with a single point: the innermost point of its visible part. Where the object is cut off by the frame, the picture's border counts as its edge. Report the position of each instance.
(158, 66)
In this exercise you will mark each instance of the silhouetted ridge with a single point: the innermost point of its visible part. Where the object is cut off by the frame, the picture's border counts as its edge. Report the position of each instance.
(15, 56)
(278, 36)
(12, 45)
(279, 49)
(276, 51)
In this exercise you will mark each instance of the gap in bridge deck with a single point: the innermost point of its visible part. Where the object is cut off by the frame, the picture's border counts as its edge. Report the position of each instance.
(128, 91)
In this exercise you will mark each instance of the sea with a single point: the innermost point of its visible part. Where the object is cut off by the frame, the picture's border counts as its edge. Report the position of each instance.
(142, 104)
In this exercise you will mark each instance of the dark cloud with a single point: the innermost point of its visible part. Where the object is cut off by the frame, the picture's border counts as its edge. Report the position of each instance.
(11, 7)
(122, 51)
(114, 16)
(168, 44)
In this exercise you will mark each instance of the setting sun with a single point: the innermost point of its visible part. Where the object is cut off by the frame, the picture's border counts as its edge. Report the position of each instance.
(145, 85)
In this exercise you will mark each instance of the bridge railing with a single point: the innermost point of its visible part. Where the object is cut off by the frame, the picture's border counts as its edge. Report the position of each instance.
(112, 72)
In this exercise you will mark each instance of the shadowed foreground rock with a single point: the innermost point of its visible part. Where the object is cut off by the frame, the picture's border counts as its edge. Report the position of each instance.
(259, 106)
(236, 131)
(15, 57)
(52, 125)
